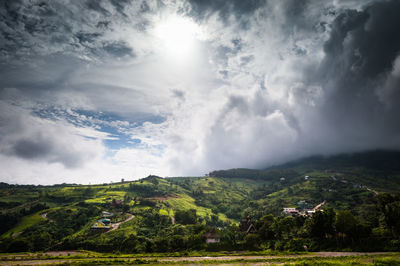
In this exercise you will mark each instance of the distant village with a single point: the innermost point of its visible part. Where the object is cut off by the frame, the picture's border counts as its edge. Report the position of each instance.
(305, 209)
(302, 209)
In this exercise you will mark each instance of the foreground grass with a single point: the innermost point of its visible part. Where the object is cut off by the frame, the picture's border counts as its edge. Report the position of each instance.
(92, 254)
(92, 258)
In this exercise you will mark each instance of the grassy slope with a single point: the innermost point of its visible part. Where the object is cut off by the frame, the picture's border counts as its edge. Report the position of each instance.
(25, 223)
(237, 189)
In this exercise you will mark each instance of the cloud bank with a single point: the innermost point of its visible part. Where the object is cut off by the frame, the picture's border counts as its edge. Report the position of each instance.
(96, 91)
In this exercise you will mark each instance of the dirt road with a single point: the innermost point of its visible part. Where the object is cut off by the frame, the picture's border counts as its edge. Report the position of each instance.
(116, 225)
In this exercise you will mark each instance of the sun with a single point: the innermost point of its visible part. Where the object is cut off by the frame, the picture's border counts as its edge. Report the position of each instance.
(177, 35)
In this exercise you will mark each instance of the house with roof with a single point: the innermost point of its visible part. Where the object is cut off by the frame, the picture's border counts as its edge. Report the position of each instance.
(291, 211)
(105, 221)
(102, 224)
(106, 214)
(212, 237)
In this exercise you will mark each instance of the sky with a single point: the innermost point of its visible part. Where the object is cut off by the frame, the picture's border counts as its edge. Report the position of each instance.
(94, 91)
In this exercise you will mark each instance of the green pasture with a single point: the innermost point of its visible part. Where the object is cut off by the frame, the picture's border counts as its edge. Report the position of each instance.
(185, 202)
(25, 223)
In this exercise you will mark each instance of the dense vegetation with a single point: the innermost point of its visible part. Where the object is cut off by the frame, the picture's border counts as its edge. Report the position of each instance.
(362, 210)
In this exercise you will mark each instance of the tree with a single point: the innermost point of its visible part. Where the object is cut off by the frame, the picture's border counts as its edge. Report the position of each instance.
(265, 227)
(129, 244)
(345, 223)
(19, 245)
(186, 217)
(252, 241)
(390, 206)
(42, 241)
(321, 224)
(228, 234)
(177, 242)
(125, 208)
(283, 226)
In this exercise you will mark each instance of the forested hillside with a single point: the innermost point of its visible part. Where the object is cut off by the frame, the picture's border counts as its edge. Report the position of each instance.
(226, 210)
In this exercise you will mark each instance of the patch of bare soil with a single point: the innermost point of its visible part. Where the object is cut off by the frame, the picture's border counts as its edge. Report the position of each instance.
(222, 258)
(62, 253)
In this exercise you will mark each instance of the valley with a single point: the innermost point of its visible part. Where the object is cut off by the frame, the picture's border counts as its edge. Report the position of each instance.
(336, 205)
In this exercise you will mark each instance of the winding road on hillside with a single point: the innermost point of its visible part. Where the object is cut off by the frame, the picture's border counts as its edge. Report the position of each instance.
(115, 226)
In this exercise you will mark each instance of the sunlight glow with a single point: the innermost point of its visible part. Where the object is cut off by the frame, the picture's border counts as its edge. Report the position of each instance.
(177, 35)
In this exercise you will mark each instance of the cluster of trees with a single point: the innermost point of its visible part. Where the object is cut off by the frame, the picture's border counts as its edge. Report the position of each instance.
(144, 190)
(389, 205)
(186, 216)
(8, 219)
(330, 229)
(47, 234)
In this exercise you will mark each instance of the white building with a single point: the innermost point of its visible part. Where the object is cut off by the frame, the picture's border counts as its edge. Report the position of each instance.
(290, 211)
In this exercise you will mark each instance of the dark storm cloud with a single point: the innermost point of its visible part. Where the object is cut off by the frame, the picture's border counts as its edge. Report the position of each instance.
(44, 149)
(120, 5)
(30, 149)
(202, 9)
(30, 28)
(360, 59)
(97, 6)
(295, 13)
(344, 95)
(369, 39)
(27, 137)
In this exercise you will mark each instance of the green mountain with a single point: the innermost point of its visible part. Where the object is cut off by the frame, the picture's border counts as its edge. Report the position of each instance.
(167, 214)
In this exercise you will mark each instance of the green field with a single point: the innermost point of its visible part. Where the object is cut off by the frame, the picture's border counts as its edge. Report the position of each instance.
(25, 223)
